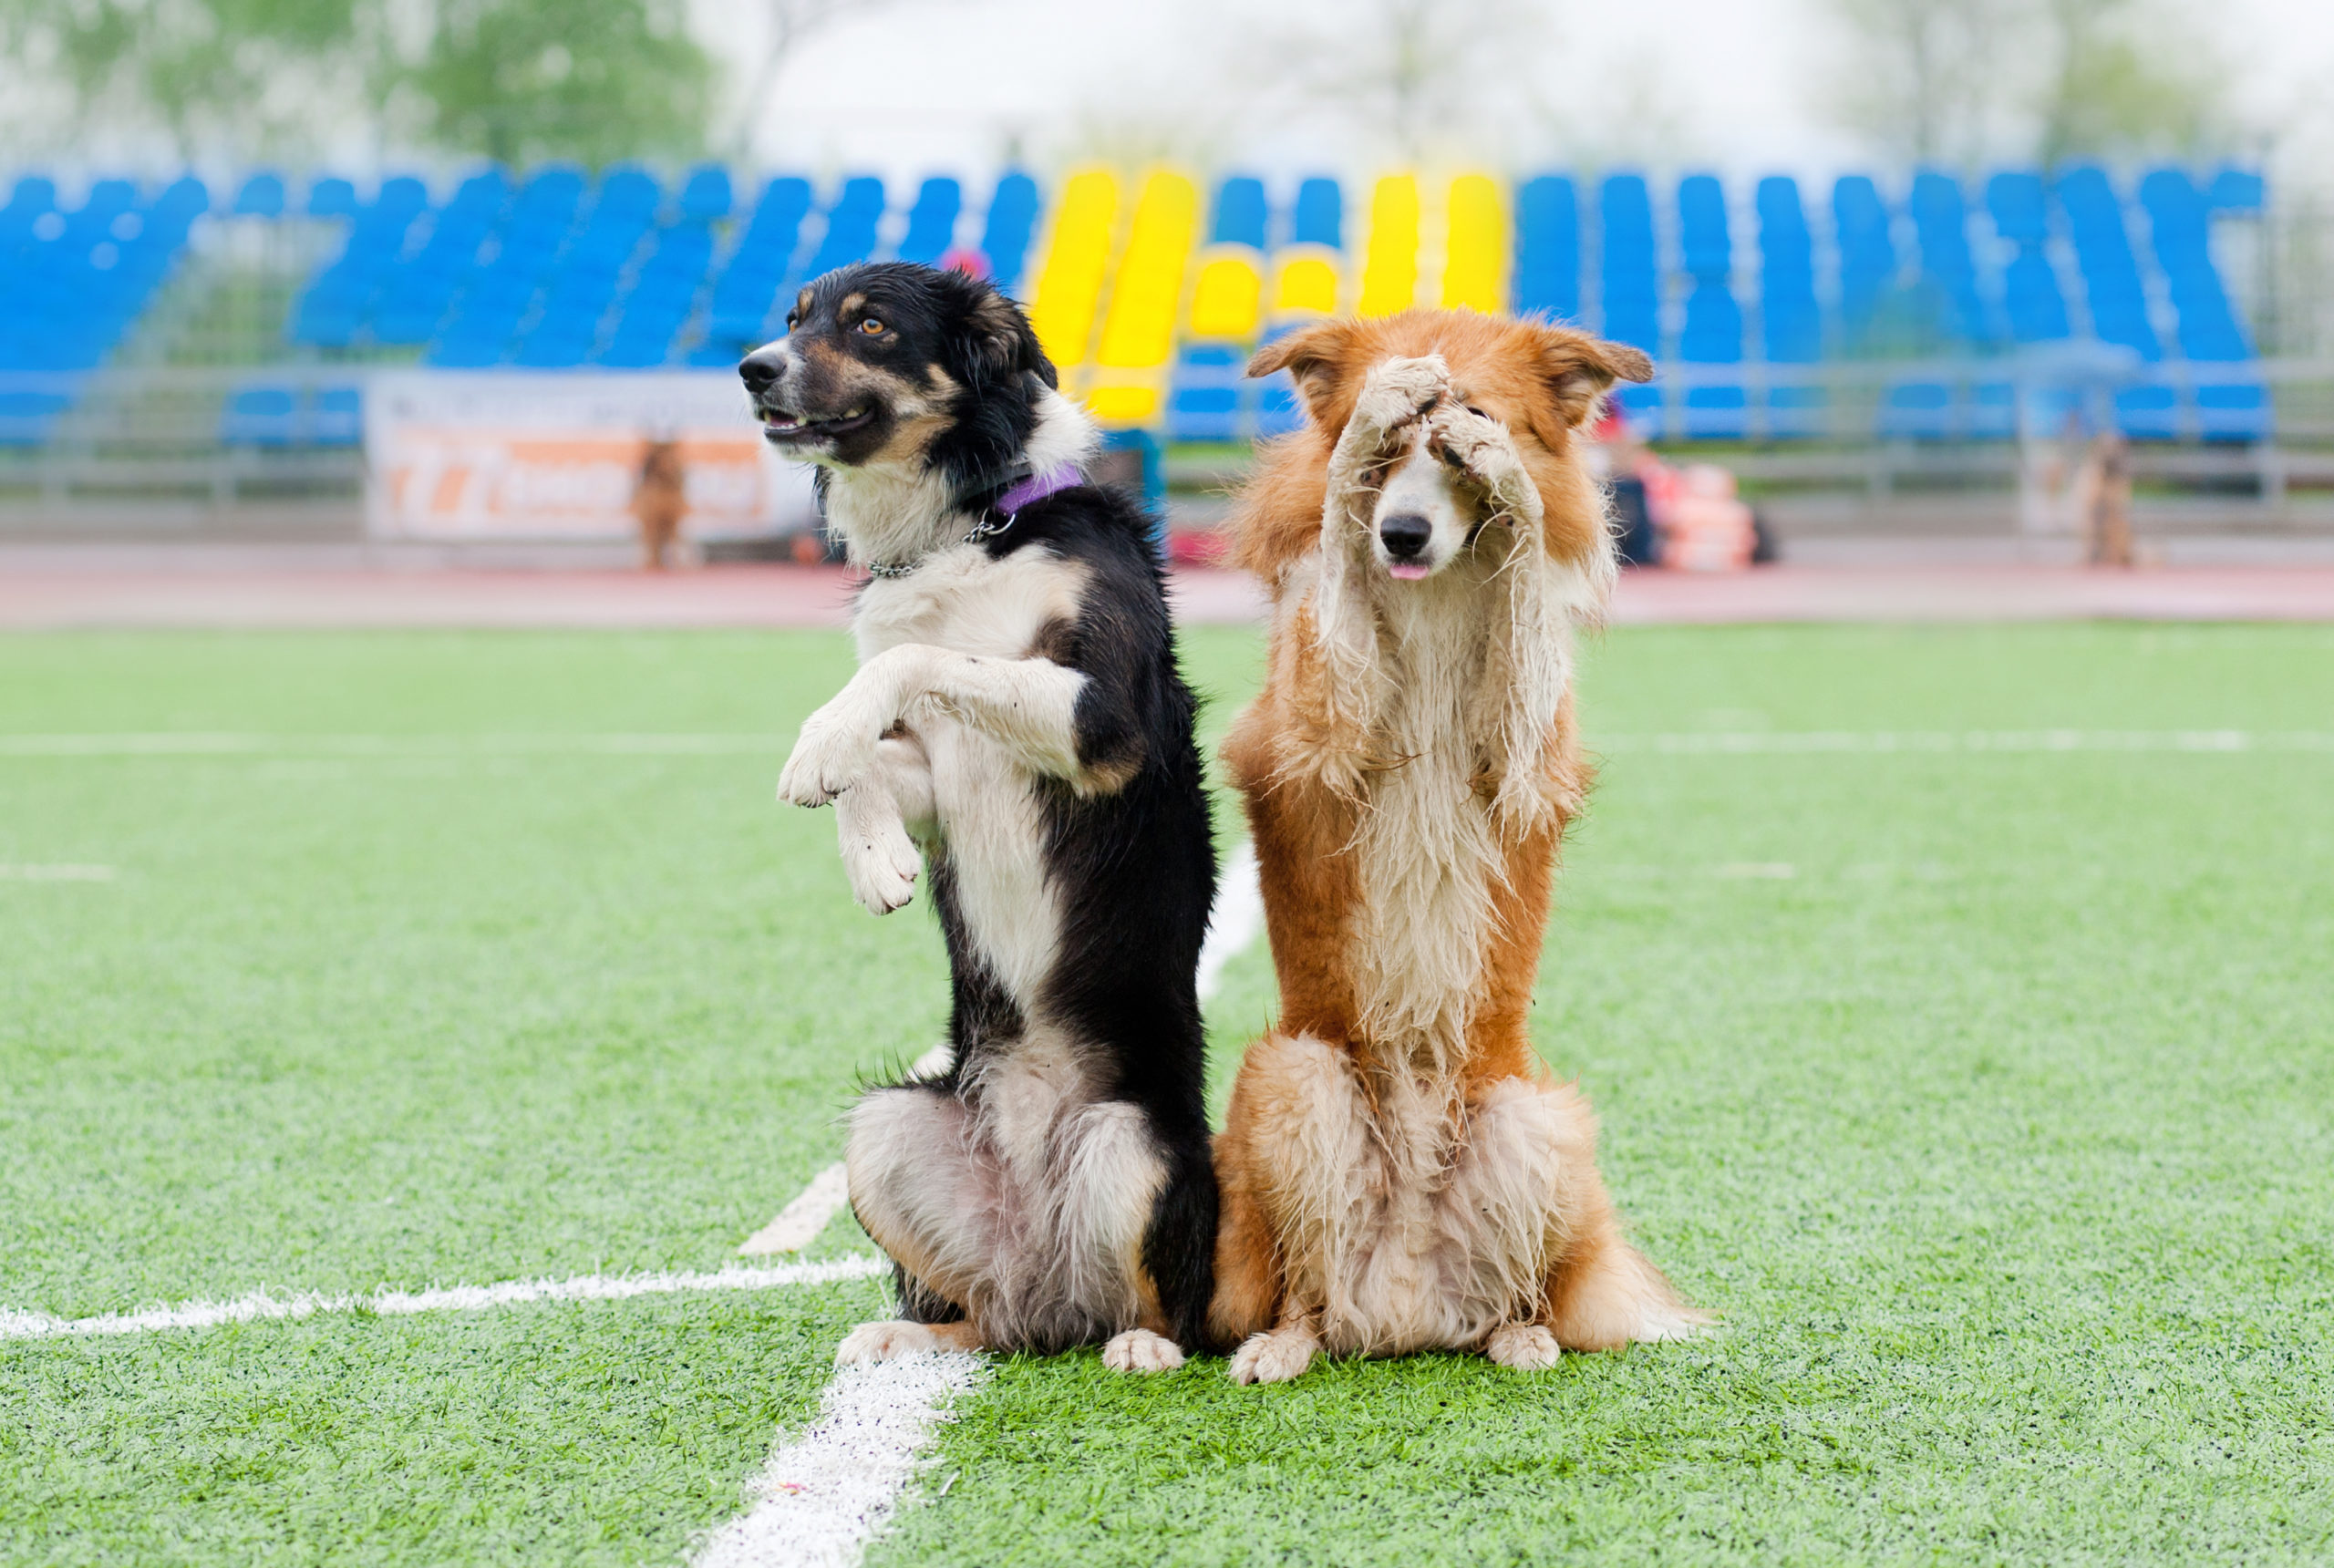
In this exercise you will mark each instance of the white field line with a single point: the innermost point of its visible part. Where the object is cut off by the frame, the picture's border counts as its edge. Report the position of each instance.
(1236, 920)
(56, 874)
(825, 1494)
(1813, 742)
(822, 1495)
(229, 744)
(800, 1221)
(259, 1306)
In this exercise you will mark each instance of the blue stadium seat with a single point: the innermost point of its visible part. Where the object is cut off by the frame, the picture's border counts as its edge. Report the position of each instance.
(260, 417)
(1005, 234)
(932, 222)
(1713, 333)
(332, 197)
(1791, 324)
(851, 227)
(261, 197)
(2237, 190)
(1867, 257)
(1319, 218)
(1631, 284)
(745, 297)
(1547, 248)
(706, 195)
(1940, 226)
(2179, 222)
(2030, 294)
(1241, 213)
(1205, 402)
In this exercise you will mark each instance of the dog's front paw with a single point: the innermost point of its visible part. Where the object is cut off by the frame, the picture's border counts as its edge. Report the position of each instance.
(1398, 391)
(1524, 1347)
(834, 751)
(877, 854)
(884, 1341)
(1140, 1350)
(1274, 1355)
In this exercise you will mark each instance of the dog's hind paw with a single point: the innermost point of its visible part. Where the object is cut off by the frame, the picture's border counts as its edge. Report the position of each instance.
(884, 1341)
(1140, 1350)
(1274, 1355)
(1524, 1347)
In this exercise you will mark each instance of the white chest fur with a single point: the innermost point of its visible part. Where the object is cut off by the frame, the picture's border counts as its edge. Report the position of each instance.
(987, 816)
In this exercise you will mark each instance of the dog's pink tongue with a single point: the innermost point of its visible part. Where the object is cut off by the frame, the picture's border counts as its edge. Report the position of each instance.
(1409, 571)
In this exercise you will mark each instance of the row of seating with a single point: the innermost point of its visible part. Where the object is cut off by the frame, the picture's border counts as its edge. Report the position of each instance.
(557, 270)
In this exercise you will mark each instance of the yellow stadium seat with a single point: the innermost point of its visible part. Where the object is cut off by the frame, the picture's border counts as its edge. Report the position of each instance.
(1307, 283)
(1138, 330)
(1474, 274)
(1390, 276)
(1078, 261)
(1228, 301)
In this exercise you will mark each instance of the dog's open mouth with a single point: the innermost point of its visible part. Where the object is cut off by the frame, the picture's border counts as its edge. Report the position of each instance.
(784, 425)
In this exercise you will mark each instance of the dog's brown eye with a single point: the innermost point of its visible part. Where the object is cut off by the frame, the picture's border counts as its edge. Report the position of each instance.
(792, 321)
(872, 327)
(1479, 414)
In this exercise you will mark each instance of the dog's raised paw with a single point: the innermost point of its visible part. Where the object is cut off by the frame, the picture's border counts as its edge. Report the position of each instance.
(1524, 1347)
(877, 853)
(1274, 1355)
(883, 1341)
(1140, 1350)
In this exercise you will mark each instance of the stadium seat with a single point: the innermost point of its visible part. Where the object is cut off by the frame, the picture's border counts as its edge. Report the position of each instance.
(746, 295)
(932, 222)
(1005, 231)
(1390, 268)
(261, 197)
(1868, 261)
(2030, 294)
(1631, 286)
(704, 196)
(1210, 399)
(1791, 324)
(332, 197)
(852, 222)
(1547, 249)
(1307, 282)
(1474, 268)
(1128, 388)
(1076, 266)
(1713, 333)
(2179, 223)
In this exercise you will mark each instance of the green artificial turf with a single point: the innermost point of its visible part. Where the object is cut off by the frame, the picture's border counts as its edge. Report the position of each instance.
(1989, 1096)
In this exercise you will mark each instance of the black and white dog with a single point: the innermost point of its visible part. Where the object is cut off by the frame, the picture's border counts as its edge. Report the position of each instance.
(1018, 714)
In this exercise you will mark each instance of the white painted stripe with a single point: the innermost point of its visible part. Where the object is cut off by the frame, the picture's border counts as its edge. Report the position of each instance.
(1799, 742)
(824, 1496)
(231, 744)
(204, 743)
(56, 874)
(1236, 920)
(800, 1223)
(259, 1306)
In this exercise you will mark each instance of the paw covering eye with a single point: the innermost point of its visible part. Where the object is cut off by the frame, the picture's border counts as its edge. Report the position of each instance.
(872, 327)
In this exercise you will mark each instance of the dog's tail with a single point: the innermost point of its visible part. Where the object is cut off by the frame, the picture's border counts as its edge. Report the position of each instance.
(1606, 1293)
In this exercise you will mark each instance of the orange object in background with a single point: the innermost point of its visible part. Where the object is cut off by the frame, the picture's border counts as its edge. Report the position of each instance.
(1704, 525)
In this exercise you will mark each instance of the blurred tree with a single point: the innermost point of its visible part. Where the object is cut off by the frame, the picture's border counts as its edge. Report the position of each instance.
(2043, 81)
(517, 79)
(1413, 73)
(2128, 81)
(792, 24)
(1927, 79)
(594, 81)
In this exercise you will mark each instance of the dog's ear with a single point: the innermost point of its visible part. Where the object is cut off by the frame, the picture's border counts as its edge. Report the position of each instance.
(1317, 358)
(1008, 344)
(1577, 368)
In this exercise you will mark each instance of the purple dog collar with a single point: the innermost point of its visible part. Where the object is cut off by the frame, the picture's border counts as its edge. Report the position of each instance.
(1027, 493)
(1037, 488)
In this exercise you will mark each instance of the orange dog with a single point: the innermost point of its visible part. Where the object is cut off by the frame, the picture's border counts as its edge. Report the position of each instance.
(1398, 1173)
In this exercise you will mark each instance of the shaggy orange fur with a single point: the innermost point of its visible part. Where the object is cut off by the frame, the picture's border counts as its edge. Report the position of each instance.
(1397, 1172)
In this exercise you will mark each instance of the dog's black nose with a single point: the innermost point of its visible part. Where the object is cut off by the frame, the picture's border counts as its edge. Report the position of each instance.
(760, 370)
(1405, 534)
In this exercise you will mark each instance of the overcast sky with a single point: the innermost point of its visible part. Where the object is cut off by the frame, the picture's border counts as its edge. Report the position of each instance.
(1737, 85)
